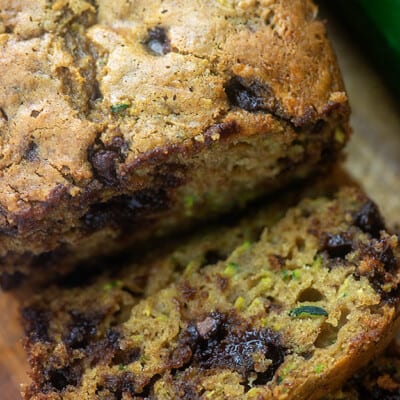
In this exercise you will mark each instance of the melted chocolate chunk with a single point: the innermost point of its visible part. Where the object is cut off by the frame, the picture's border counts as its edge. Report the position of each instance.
(219, 341)
(113, 337)
(250, 96)
(104, 350)
(31, 153)
(369, 219)
(104, 159)
(119, 385)
(125, 357)
(158, 42)
(384, 274)
(337, 246)
(122, 210)
(382, 251)
(81, 330)
(36, 324)
(103, 162)
(387, 258)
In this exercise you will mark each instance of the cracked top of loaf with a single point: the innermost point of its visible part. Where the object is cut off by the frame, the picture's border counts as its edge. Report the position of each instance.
(89, 88)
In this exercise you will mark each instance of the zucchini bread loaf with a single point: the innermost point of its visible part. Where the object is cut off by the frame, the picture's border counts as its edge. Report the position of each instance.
(126, 119)
(285, 312)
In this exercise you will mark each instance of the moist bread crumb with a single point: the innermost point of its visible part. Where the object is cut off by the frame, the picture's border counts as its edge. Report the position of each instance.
(121, 121)
(290, 311)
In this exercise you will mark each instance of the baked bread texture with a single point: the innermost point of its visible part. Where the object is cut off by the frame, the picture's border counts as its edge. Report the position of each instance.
(128, 119)
(290, 311)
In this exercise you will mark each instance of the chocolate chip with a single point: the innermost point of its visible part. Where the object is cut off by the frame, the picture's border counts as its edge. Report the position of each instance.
(382, 273)
(251, 96)
(125, 357)
(105, 157)
(369, 219)
(157, 41)
(105, 350)
(103, 163)
(120, 385)
(36, 324)
(113, 337)
(81, 330)
(31, 153)
(219, 340)
(388, 259)
(337, 246)
(35, 113)
(180, 356)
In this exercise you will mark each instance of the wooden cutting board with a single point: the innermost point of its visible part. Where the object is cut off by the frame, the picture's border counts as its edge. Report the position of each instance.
(373, 161)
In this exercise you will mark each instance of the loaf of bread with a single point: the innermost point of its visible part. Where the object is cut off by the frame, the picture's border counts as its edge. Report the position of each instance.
(283, 305)
(125, 120)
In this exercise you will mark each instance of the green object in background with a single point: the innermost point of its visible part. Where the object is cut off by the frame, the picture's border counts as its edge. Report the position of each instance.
(385, 15)
(376, 24)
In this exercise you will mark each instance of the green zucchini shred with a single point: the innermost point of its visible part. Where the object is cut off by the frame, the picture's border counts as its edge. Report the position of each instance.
(116, 108)
(308, 311)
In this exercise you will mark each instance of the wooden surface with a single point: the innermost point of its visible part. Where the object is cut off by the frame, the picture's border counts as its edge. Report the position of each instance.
(373, 160)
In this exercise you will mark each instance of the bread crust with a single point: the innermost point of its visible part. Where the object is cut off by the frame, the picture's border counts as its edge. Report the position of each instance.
(167, 111)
